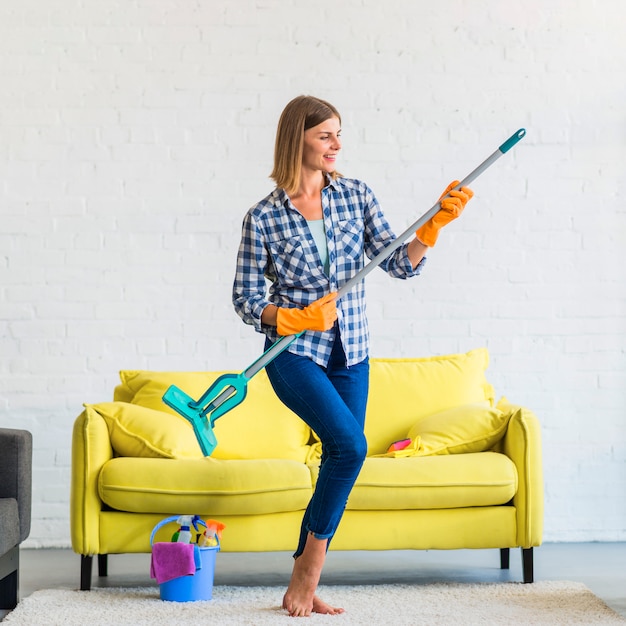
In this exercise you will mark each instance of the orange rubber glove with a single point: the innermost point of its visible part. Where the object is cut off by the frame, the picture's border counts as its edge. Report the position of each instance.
(451, 208)
(320, 315)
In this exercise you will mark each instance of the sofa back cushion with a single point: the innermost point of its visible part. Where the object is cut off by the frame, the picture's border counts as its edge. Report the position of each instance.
(261, 427)
(404, 390)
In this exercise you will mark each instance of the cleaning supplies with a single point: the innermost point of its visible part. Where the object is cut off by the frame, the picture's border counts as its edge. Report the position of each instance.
(184, 571)
(212, 534)
(183, 534)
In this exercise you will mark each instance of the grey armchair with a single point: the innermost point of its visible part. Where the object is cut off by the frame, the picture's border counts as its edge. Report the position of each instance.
(16, 454)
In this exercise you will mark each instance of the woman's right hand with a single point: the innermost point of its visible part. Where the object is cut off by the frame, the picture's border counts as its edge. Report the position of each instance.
(320, 315)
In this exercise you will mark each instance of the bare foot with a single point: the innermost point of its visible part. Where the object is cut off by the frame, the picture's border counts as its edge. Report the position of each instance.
(300, 599)
(319, 606)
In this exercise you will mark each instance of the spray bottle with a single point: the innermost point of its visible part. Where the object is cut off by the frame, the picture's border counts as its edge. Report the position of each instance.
(183, 534)
(212, 534)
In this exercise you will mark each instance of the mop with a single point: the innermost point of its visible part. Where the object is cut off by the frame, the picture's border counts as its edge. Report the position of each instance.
(229, 390)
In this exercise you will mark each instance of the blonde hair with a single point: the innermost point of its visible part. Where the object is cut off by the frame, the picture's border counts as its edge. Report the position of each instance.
(300, 114)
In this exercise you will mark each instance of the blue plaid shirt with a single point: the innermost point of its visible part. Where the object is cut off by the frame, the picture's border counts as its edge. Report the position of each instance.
(277, 245)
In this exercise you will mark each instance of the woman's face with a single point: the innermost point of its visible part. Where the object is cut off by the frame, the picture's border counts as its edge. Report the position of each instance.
(321, 146)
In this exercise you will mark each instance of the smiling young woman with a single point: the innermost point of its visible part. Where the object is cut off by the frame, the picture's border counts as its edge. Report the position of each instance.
(299, 116)
(308, 238)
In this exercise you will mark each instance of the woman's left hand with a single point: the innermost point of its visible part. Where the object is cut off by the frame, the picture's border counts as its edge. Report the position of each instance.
(451, 207)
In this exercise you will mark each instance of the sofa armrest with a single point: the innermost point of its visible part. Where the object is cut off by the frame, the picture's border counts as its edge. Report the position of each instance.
(16, 473)
(91, 449)
(522, 444)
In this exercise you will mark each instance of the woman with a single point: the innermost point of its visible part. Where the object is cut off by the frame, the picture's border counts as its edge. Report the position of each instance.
(308, 237)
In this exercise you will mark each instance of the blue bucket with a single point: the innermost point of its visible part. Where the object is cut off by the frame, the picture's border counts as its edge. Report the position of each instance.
(198, 586)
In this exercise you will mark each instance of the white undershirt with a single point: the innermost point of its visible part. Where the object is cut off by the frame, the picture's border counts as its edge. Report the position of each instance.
(319, 236)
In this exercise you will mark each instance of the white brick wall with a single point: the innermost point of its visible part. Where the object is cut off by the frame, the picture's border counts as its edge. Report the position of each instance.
(134, 135)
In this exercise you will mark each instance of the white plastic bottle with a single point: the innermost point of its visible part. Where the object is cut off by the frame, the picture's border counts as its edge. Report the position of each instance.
(184, 532)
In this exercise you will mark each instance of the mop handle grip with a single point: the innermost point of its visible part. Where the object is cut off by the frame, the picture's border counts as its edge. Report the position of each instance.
(512, 140)
(284, 342)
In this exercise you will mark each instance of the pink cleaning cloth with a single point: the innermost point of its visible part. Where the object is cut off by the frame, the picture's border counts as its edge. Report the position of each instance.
(171, 560)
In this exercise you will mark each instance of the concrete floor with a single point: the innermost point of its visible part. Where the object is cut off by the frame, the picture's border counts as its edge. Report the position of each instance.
(600, 566)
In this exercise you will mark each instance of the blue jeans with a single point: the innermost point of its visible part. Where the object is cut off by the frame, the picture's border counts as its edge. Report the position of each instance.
(332, 402)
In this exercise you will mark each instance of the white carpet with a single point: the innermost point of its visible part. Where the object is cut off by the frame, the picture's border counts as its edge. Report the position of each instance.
(503, 603)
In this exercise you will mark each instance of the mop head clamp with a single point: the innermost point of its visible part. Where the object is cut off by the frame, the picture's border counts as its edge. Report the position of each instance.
(224, 394)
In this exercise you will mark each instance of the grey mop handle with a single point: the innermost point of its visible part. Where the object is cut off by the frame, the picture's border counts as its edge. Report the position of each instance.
(284, 342)
(399, 241)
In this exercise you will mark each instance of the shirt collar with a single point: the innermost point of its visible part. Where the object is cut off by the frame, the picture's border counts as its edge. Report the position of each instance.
(330, 182)
(281, 198)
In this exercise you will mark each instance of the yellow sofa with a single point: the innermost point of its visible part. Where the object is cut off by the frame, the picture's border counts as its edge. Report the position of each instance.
(471, 478)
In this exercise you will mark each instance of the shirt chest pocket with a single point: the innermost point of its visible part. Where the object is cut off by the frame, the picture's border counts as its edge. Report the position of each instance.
(294, 263)
(350, 240)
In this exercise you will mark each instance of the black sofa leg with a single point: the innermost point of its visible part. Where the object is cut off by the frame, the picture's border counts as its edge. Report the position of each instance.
(9, 584)
(9, 591)
(527, 565)
(85, 572)
(505, 560)
(103, 565)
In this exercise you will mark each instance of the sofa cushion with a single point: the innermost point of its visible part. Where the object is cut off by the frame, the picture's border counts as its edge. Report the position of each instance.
(249, 431)
(462, 429)
(405, 390)
(9, 524)
(434, 482)
(138, 431)
(206, 486)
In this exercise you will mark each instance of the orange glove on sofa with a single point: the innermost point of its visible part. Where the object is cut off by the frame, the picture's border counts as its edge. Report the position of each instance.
(451, 208)
(320, 315)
